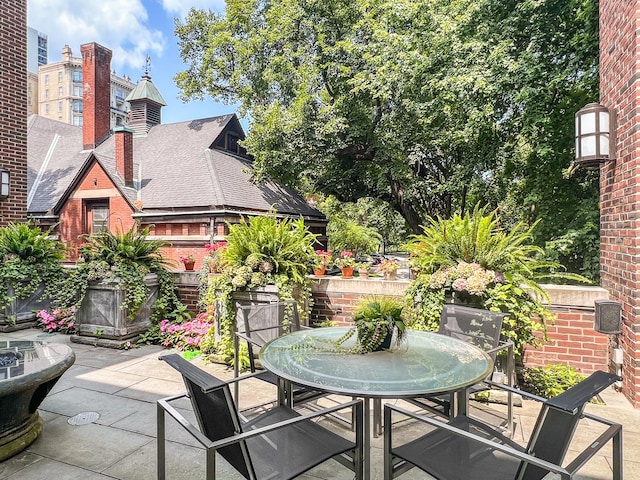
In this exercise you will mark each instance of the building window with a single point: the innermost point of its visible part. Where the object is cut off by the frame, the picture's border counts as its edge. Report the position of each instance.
(59, 106)
(77, 106)
(46, 94)
(59, 77)
(59, 92)
(46, 79)
(77, 90)
(77, 76)
(77, 120)
(97, 216)
(46, 109)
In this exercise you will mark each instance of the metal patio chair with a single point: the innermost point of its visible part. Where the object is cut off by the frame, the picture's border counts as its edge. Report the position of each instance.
(260, 323)
(480, 328)
(277, 444)
(465, 448)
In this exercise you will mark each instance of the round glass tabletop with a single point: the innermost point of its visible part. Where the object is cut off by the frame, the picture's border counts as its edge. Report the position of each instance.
(425, 363)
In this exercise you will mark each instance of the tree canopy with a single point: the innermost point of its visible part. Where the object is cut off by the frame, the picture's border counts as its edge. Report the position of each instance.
(430, 105)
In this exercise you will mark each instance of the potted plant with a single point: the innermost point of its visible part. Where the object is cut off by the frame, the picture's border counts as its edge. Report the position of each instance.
(266, 259)
(121, 284)
(377, 318)
(213, 260)
(30, 273)
(471, 259)
(322, 261)
(346, 262)
(189, 262)
(363, 269)
(389, 268)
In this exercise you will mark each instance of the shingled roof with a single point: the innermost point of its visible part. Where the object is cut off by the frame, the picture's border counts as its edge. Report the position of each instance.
(176, 168)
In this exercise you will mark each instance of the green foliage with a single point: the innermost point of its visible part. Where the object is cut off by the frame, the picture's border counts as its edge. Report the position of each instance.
(508, 265)
(30, 257)
(348, 236)
(551, 380)
(263, 251)
(128, 256)
(427, 105)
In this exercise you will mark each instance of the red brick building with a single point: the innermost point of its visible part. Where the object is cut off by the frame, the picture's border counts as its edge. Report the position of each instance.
(13, 121)
(619, 187)
(184, 180)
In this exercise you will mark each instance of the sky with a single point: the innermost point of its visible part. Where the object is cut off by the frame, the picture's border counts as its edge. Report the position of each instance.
(132, 30)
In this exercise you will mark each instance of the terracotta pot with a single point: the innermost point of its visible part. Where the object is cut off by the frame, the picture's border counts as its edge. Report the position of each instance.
(188, 266)
(319, 271)
(347, 272)
(363, 273)
(389, 275)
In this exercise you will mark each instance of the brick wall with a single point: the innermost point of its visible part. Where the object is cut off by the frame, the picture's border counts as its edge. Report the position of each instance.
(13, 99)
(619, 189)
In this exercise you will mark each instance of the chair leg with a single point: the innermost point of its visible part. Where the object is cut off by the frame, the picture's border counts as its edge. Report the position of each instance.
(160, 441)
(388, 464)
(211, 464)
(618, 467)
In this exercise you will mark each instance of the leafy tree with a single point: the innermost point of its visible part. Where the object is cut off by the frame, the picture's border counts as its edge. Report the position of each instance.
(428, 105)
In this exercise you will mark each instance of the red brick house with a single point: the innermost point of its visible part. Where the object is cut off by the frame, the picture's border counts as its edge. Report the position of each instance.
(185, 180)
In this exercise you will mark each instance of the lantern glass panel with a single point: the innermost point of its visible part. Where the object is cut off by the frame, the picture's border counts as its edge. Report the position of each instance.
(604, 121)
(588, 123)
(588, 145)
(604, 145)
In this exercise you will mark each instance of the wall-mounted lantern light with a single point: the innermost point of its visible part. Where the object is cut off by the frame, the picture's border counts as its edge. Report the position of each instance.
(595, 136)
(5, 179)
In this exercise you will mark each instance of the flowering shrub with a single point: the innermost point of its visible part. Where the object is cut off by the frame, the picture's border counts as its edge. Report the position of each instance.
(213, 260)
(188, 335)
(346, 259)
(323, 258)
(389, 265)
(466, 277)
(59, 320)
(188, 259)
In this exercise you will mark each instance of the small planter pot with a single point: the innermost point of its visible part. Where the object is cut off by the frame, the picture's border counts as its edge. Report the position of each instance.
(363, 273)
(189, 266)
(347, 272)
(319, 271)
(390, 275)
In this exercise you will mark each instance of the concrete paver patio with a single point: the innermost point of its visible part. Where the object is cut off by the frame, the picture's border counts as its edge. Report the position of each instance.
(122, 386)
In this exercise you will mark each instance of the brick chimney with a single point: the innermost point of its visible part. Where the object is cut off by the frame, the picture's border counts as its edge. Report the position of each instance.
(124, 154)
(96, 77)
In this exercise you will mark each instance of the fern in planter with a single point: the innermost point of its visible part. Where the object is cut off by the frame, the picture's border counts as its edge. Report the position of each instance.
(30, 257)
(127, 256)
(473, 257)
(262, 251)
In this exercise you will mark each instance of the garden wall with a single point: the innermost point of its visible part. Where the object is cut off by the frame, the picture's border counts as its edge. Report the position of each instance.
(571, 339)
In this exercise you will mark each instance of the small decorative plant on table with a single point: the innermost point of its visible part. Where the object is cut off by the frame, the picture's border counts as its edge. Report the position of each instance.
(346, 261)
(322, 261)
(213, 260)
(377, 318)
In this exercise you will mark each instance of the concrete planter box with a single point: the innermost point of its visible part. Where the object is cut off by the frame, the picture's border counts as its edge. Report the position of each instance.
(100, 315)
(21, 313)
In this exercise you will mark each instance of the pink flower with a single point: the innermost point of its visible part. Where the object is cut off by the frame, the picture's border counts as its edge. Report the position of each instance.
(459, 285)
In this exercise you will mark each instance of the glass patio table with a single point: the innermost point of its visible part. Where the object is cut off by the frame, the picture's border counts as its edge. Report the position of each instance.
(425, 363)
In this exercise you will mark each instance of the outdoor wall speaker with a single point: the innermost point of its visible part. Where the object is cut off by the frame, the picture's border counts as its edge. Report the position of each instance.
(608, 317)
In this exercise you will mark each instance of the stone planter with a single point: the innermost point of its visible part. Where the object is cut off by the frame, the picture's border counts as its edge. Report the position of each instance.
(21, 313)
(100, 315)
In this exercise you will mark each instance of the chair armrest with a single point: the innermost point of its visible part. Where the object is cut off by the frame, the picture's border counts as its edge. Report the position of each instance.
(205, 442)
(515, 390)
(508, 450)
(357, 404)
(248, 339)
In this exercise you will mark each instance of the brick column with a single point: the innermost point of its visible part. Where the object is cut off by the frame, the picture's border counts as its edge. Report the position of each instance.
(619, 185)
(13, 98)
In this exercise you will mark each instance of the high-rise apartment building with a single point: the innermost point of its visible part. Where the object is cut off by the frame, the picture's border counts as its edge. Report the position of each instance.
(37, 49)
(60, 91)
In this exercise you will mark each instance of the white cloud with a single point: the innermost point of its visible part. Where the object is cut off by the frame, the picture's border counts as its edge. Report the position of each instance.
(120, 25)
(180, 8)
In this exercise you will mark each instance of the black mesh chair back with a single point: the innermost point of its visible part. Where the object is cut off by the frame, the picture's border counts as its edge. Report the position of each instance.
(557, 423)
(472, 325)
(263, 322)
(215, 411)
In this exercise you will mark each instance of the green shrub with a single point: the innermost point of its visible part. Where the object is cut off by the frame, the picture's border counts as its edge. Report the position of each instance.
(551, 380)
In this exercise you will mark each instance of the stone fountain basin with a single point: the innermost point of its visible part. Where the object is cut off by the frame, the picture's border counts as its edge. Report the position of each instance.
(28, 371)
